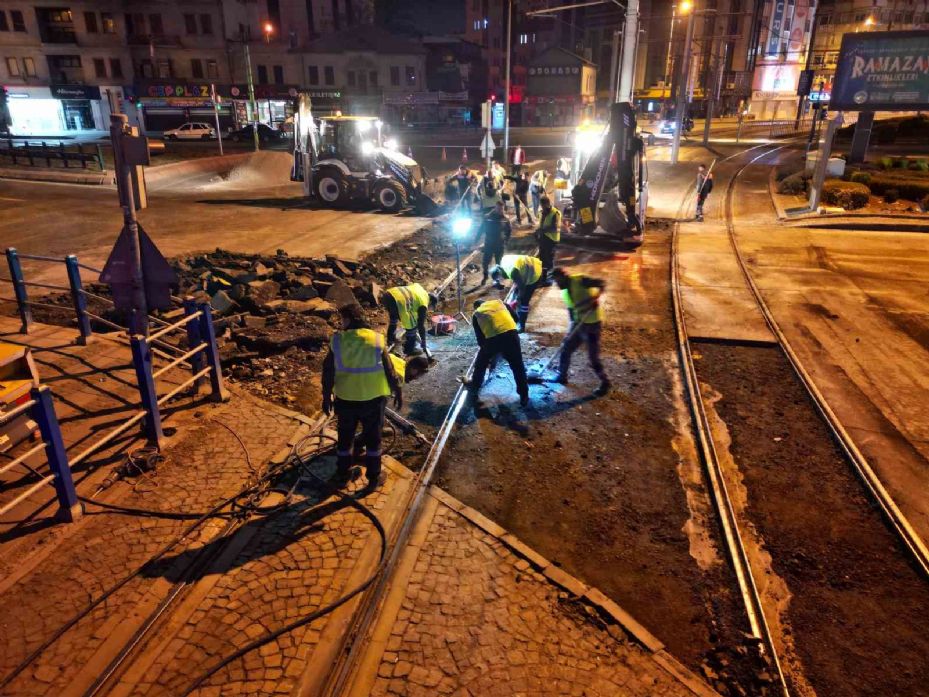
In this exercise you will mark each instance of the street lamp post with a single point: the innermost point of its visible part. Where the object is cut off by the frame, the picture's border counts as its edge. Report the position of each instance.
(506, 96)
(682, 88)
(667, 61)
(251, 93)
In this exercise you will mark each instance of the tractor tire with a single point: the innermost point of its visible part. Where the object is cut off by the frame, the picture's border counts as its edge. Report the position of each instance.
(331, 188)
(390, 196)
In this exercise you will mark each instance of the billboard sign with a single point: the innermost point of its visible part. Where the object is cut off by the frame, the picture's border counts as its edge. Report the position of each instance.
(882, 71)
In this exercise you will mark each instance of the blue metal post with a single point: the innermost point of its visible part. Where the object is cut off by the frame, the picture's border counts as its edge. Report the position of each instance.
(69, 508)
(19, 289)
(197, 361)
(142, 361)
(220, 394)
(78, 299)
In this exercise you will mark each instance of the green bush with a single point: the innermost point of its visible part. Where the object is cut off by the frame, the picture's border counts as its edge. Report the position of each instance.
(860, 177)
(794, 184)
(886, 162)
(848, 195)
(909, 188)
(920, 165)
(902, 163)
(891, 196)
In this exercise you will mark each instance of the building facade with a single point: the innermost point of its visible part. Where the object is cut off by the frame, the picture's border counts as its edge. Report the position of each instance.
(561, 89)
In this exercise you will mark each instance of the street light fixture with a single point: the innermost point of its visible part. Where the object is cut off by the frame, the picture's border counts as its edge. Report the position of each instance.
(268, 30)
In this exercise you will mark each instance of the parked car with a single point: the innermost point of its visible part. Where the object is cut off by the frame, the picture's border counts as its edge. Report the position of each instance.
(191, 131)
(266, 134)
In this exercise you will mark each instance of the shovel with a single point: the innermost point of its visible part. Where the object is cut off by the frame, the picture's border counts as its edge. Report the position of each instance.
(536, 377)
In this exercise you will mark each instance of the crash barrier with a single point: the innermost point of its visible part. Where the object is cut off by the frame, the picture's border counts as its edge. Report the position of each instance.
(772, 128)
(41, 409)
(61, 155)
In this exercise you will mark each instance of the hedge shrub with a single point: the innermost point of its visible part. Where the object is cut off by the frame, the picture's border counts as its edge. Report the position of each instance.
(909, 188)
(886, 162)
(860, 177)
(794, 184)
(920, 165)
(848, 195)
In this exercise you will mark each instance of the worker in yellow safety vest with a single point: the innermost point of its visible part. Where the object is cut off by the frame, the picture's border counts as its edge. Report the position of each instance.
(408, 307)
(496, 334)
(581, 295)
(361, 373)
(525, 272)
(548, 235)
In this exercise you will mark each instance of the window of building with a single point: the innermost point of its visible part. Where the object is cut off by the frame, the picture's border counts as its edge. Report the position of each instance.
(351, 78)
(90, 21)
(212, 69)
(262, 75)
(278, 74)
(524, 38)
(476, 25)
(12, 67)
(4, 25)
(190, 24)
(861, 16)
(372, 78)
(395, 75)
(164, 69)
(108, 23)
(29, 67)
(410, 75)
(196, 68)
(206, 24)
(329, 75)
(146, 68)
(99, 67)
(16, 18)
(138, 22)
(314, 74)
(825, 19)
(156, 25)
(116, 67)
(310, 20)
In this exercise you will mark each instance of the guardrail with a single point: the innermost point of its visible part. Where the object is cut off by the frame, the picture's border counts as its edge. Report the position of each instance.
(59, 154)
(42, 410)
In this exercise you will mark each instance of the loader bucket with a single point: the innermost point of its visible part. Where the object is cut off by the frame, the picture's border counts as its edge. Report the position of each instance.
(612, 220)
(425, 204)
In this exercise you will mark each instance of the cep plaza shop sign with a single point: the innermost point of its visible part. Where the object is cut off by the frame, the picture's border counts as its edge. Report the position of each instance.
(882, 71)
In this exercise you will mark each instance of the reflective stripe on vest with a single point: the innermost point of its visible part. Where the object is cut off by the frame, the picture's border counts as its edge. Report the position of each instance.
(359, 368)
(494, 318)
(530, 268)
(409, 299)
(582, 299)
(551, 225)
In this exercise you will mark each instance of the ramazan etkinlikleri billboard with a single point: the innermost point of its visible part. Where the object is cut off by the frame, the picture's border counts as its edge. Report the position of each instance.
(882, 71)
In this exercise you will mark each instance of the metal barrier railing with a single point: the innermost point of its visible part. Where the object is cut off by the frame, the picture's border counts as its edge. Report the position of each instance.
(41, 409)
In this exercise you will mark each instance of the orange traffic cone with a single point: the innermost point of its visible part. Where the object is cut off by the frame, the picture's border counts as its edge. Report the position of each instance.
(444, 156)
(464, 154)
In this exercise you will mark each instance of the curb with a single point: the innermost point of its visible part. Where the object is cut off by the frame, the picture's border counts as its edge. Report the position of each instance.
(607, 608)
(41, 174)
(772, 191)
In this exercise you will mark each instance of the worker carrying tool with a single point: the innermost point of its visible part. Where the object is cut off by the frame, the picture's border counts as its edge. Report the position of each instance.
(496, 335)
(408, 306)
(548, 235)
(525, 272)
(496, 230)
(581, 294)
(362, 374)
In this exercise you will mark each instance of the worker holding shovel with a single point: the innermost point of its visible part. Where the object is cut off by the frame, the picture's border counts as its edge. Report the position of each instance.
(582, 296)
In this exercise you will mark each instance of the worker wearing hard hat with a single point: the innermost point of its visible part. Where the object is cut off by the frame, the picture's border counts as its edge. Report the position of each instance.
(581, 295)
(496, 335)
(548, 235)
(361, 373)
(525, 272)
(408, 307)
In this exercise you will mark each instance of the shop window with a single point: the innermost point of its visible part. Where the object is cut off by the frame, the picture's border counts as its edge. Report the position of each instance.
(196, 68)
(16, 18)
(372, 78)
(12, 67)
(329, 75)
(351, 78)
(212, 69)
(90, 21)
(190, 24)
(410, 75)
(314, 75)
(278, 74)
(395, 75)
(99, 67)
(156, 25)
(116, 67)
(262, 75)
(108, 23)
(206, 24)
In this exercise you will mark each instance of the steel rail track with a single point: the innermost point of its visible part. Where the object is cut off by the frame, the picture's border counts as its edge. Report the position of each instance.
(898, 521)
(741, 565)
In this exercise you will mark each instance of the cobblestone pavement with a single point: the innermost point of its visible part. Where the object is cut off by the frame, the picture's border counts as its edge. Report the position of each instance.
(474, 617)
(203, 467)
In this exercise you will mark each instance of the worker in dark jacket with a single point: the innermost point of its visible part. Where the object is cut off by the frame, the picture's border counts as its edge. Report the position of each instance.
(359, 370)
(408, 307)
(581, 295)
(496, 335)
(580, 199)
(704, 187)
(525, 272)
(521, 197)
(496, 230)
(548, 235)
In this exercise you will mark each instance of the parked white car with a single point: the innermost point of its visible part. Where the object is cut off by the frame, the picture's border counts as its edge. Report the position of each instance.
(191, 131)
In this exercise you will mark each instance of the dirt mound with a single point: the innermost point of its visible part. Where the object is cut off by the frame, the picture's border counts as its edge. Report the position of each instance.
(265, 168)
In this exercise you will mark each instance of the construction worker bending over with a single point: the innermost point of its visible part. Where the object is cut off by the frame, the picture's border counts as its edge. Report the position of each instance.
(548, 235)
(525, 272)
(496, 230)
(581, 294)
(407, 306)
(359, 370)
(496, 334)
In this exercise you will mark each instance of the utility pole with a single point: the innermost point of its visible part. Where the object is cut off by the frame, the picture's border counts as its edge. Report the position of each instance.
(714, 90)
(506, 96)
(667, 61)
(614, 67)
(682, 88)
(630, 41)
(809, 61)
(251, 92)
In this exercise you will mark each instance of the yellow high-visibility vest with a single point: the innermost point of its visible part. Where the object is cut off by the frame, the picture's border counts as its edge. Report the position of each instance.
(399, 367)
(530, 268)
(409, 299)
(494, 318)
(582, 300)
(359, 367)
(550, 225)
